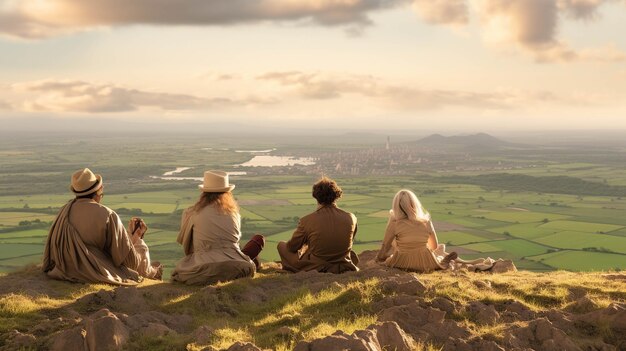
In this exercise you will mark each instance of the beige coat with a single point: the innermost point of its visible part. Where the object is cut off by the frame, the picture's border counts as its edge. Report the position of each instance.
(405, 246)
(88, 243)
(325, 239)
(210, 240)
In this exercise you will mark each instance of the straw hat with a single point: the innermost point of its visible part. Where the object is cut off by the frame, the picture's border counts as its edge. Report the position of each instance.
(216, 182)
(84, 182)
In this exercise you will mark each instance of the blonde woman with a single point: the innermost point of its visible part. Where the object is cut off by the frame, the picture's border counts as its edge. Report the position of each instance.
(210, 232)
(410, 240)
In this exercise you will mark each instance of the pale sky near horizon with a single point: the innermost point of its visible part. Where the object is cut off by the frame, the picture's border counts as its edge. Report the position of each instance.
(356, 64)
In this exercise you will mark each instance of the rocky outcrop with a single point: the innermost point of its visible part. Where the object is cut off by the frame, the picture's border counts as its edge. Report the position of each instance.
(459, 310)
(427, 324)
(378, 337)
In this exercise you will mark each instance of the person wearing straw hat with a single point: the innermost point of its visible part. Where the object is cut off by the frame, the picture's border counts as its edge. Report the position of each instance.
(210, 232)
(88, 242)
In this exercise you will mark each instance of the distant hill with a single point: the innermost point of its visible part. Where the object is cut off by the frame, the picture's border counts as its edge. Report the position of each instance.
(480, 140)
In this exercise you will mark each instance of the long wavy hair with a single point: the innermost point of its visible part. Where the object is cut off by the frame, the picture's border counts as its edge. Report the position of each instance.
(225, 202)
(407, 205)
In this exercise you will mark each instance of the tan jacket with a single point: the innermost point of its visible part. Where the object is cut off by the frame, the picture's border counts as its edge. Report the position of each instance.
(325, 237)
(88, 243)
(210, 240)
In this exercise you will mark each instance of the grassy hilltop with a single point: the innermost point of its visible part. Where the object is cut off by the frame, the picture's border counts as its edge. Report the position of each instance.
(275, 310)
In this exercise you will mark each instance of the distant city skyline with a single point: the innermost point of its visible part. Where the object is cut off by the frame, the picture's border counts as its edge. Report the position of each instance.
(432, 65)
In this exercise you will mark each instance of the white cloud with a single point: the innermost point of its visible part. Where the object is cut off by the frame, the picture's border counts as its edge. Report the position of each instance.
(79, 96)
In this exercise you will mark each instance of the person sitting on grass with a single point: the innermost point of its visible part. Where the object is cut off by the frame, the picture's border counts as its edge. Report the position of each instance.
(210, 232)
(410, 240)
(323, 239)
(88, 243)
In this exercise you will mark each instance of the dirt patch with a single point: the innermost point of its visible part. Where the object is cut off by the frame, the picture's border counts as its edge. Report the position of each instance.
(517, 209)
(447, 226)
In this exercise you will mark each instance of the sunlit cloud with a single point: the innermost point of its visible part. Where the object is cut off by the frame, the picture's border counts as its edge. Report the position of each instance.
(448, 12)
(531, 26)
(319, 86)
(40, 19)
(5, 106)
(79, 96)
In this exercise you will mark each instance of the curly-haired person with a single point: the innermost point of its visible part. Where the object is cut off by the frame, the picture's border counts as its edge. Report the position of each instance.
(323, 239)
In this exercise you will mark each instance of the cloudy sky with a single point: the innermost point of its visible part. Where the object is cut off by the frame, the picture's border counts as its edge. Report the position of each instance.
(355, 64)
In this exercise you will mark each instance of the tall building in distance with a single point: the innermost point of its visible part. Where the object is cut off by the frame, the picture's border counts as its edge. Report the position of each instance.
(387, 146)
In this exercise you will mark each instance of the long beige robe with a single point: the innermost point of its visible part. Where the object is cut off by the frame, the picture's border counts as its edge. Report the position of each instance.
(210, 240)
(324, 239)
(88, 243)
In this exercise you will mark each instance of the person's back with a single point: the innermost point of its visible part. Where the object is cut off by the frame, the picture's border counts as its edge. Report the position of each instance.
(88, 242)
(323, 239)
(210, 232)
(91, 221)
(330, 233)
(213, 228)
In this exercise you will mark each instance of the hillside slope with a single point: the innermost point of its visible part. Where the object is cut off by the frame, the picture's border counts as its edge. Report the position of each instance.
(375, 308)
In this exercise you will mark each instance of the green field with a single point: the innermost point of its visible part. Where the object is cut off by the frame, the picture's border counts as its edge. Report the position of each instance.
(538, 230)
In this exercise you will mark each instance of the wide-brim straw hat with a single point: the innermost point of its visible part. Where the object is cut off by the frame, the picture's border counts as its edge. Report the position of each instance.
(85, 182)
(216, 182)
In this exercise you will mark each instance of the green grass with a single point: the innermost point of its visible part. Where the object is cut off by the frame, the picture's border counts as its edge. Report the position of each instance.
(578, 240)
(581, 226)
(521, 216)
(459, 238)
(582, 261)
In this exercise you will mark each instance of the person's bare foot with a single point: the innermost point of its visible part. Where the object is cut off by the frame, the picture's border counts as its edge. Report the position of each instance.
(449, 257)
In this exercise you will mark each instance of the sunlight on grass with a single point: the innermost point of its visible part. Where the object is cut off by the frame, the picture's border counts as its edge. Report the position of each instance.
(227, 336)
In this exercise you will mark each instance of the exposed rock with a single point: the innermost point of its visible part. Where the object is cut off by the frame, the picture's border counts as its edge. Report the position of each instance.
(18, 340)
(582, 305)
(377, 337)
(156, 330)
(97, 300)
(481, 313)
(443, 304)
(391, 301)
(407, 284)
(209, 348)
(391, 337)
(129, 299)
(612, 317)
(73, 339)
(203, 334)
(503, 266)
(104, 331)
(540, 334)
(240, 346)
(179, 323)
(423, 323)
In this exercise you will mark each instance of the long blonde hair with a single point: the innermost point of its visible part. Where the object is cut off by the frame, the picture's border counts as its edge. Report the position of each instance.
(407, 205)
(225, 202)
